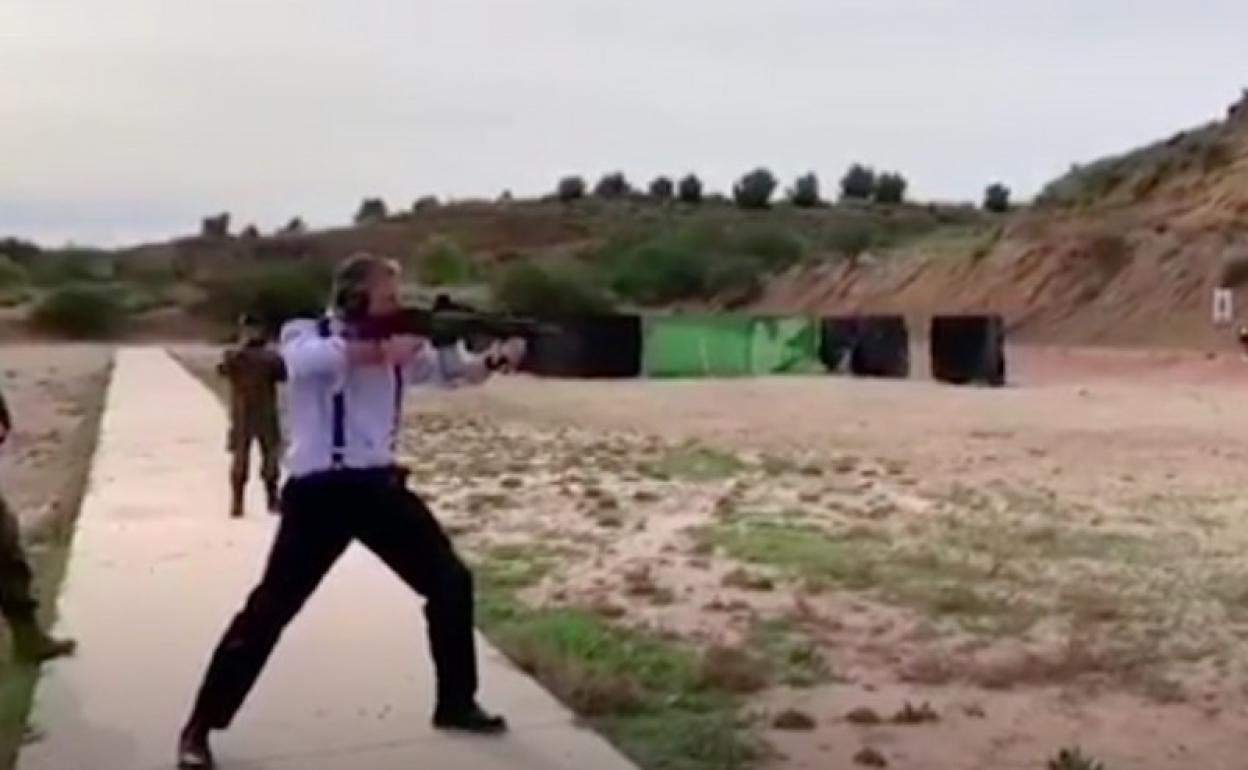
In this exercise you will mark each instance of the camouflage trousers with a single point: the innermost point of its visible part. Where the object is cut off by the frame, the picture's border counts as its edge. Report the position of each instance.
(17, 602)
(242, 435)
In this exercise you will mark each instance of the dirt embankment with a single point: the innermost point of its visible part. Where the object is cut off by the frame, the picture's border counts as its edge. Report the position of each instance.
(1126, 251)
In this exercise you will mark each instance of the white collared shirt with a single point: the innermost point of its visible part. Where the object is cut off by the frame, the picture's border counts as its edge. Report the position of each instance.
(317, 369)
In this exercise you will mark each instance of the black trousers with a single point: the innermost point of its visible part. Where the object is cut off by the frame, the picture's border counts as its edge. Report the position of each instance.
(321, 516)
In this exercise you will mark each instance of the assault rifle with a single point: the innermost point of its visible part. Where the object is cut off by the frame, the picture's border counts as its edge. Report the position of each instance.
(447, 323)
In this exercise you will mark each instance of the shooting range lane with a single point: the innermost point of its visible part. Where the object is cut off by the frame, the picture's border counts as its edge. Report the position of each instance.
(158, 569)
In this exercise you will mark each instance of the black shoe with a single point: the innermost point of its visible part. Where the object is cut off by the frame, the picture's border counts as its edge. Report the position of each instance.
(194, 753)
(469, 719)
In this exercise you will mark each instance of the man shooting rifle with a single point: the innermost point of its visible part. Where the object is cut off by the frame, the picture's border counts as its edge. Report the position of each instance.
(345, 385)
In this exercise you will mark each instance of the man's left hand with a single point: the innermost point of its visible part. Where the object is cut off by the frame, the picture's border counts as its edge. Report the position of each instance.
(512, 351)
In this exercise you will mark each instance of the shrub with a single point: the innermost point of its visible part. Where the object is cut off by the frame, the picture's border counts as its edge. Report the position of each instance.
(215, 227)
(18, 250)
(858, 183)
(805, 192)
(662, 270)
(442, 262)
(13, 296)
(852, 238)
(890, 188)
(662, 189)
(531, 289)
(11, 273)
(425, 203)
(612, 187)
(275, 293)
(1215, 155)
(571, 188)
(295, 226)
(774, 247)
(82, 311)
(690, 190)
(736, 279)
(71, 265)
(755, 189)
(371, 210)
(141, 299)
(997, 198)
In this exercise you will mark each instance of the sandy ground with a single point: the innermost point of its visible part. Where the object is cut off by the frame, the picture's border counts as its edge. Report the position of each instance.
(49, 389)
(1058, 563)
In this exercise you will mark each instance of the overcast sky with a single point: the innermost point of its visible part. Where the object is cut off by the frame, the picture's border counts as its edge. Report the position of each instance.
(123, 120)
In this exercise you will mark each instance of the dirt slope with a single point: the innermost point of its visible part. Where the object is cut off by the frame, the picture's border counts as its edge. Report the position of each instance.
(1124, 251)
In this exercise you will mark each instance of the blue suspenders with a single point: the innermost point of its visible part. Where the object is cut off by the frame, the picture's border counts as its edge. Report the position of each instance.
(339, 407)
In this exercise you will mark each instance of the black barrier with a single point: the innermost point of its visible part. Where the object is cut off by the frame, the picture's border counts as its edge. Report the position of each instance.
(836, 341)
(881, 347)
(968, 349)
(600, 346)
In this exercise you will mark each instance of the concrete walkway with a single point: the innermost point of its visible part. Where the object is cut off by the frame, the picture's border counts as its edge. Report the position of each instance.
(158, 569)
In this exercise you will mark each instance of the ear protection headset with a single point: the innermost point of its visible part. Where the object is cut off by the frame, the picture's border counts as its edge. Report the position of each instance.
(350, 295)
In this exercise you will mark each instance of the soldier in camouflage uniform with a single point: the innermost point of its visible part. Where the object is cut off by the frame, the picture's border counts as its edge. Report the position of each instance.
(17, 603)
(254, 370)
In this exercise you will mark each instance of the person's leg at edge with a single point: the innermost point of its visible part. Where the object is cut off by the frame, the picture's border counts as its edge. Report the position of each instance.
(310, 538)
(404, 534)
(270, 440)
(240, 460)
(31, 644)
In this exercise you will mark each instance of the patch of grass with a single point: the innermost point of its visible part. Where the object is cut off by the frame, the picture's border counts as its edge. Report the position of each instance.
(647, 695)
(652, 697)
(503, 571)
(684, 740)
(695, 463)
(978, 609)
(733, 669)
(1002, 540)
(775, 465)
(794, 658)
(804, 551)
(935, 582)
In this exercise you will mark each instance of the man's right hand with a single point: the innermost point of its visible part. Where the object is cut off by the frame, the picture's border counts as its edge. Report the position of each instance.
(401, 349)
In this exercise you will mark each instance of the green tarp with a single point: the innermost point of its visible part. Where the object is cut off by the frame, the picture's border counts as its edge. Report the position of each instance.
(726, 346)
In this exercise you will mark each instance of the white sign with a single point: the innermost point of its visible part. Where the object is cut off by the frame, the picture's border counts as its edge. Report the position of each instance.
(1223, 306)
